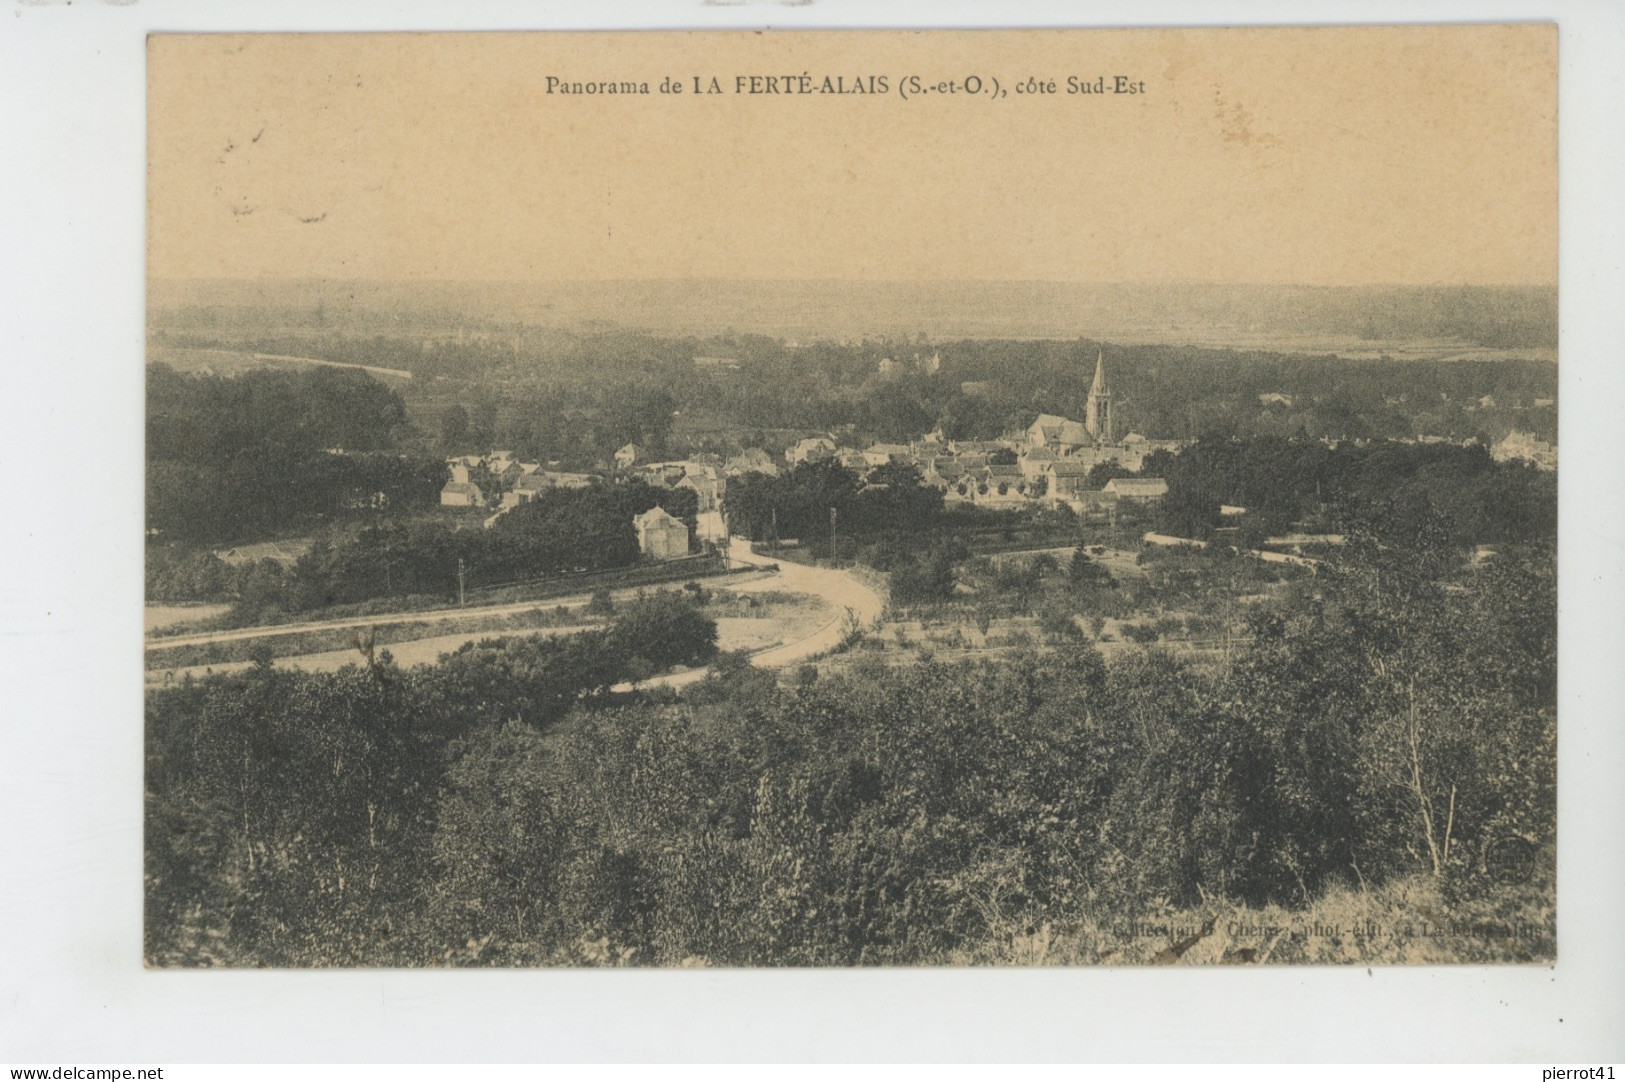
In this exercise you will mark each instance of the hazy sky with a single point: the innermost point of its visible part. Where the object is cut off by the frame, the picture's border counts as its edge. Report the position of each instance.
(1325, 156)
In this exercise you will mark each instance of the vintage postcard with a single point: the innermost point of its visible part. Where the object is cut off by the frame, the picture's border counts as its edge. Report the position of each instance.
(862, 498)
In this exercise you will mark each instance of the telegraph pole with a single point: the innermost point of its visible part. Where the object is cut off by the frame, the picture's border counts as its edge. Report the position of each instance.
(832, 535)
(462, 599)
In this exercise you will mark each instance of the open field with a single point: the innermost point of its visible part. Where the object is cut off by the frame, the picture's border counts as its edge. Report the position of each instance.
(225, 362)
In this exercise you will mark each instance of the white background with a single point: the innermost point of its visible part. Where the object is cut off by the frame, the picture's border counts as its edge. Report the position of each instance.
(72, 989)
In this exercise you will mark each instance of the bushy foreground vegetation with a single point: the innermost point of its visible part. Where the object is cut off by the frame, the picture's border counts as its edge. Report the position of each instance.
(1381, 753)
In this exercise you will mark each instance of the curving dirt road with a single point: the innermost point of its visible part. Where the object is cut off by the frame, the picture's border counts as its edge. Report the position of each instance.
(846, 597)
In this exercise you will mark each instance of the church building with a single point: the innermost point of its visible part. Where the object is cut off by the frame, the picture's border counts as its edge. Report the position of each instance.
(1097, 411)
(1065, 450)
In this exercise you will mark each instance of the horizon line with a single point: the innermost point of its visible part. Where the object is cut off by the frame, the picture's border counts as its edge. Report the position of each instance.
(1185, 282)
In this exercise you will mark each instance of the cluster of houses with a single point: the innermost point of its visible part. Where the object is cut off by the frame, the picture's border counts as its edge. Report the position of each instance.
(522, 481)
(1048, 463)
(1515, 446)
(660, 535)
(705, 475)
(894, 366)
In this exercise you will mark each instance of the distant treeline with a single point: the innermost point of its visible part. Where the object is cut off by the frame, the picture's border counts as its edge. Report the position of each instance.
(577, 397)
(1179, 392)
(500, 809)
(1495, 317)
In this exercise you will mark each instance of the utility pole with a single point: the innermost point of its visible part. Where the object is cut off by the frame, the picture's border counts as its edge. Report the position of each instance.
(462, 598)
(775, 511)
(832, 535)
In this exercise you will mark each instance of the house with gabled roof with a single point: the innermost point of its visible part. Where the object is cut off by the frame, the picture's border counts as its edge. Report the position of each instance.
(706, 486)
(1057, 433)
(753, 460)
(851, 458)
(509, 474)
(1094, 504)
(813, 449)
(881, 454)
(1067, 478)
(974, 461)
(942, 471)
(528, 487)
(661, 536)
(461, 494)
(1035, 461)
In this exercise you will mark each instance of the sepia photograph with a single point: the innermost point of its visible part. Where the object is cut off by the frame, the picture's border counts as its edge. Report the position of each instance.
(861, 498)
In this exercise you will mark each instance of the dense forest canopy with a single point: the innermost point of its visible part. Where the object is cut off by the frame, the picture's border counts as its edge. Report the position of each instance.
(1392, 491)
(237, 458)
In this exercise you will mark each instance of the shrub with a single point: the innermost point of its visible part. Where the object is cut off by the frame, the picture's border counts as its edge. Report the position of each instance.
(664, 629)
(1140, 633)
(1059, 624)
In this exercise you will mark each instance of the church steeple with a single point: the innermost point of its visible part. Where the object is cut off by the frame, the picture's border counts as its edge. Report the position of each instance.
(1097, 411)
